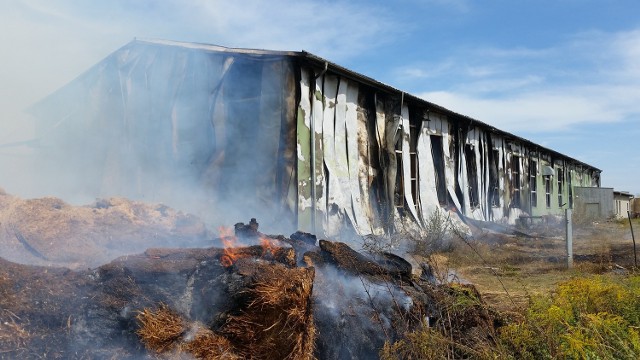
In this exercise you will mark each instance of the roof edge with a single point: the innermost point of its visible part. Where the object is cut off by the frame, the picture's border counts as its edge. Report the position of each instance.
(212, 47)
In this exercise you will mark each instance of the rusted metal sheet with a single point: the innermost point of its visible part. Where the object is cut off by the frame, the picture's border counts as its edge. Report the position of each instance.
(343, 197)
(362, 223)
(335, 208)
(366, 171)
(426, 174)
(319, 185)
(287, 156)
(303, 147)
(212, 174)
(462, 176)
(497, 209)
(476, 211)
(269, 126)
(387, 129)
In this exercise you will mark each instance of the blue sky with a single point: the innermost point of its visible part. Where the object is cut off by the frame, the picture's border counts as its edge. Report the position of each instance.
(562, 73)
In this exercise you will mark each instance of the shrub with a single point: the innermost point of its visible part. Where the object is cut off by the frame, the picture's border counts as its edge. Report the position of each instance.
(595, 317)
(586, 318)
(437, 235)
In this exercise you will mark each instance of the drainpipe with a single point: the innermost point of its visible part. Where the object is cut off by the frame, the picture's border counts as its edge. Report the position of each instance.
(313, 149)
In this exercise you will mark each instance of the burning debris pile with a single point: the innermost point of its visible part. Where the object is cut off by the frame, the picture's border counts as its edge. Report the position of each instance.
(282, 298)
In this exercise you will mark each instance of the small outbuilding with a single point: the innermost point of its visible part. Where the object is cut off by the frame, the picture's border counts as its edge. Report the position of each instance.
(621, 203)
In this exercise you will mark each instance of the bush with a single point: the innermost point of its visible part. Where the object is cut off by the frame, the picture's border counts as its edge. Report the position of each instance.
(587, 318)
(438, 233)
(596, 317)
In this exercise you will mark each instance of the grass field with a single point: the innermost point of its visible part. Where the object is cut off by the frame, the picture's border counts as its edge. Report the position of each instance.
(508, 270)
(538, 307)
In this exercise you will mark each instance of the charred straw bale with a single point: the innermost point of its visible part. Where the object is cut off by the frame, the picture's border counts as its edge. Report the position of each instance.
(276, 319)
(283, 255)
(353, 262)
(206, 344)
(160, 329)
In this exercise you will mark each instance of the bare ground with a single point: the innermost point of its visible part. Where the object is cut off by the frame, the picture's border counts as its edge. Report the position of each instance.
(508, 270)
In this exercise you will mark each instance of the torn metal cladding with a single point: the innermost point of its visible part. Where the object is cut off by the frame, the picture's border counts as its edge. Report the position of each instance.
(304, 177)
(425, 161)
(335, 149)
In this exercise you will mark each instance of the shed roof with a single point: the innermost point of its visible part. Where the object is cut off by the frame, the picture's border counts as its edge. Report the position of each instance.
(623, 193)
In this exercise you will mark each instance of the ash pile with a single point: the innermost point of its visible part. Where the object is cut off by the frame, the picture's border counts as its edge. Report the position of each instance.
(251, 295)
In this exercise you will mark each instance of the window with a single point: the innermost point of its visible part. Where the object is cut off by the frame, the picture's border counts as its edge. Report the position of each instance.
(560, 186)
(494, 187)
(438, 165)
(399, 193)
(472, 175)
(515, 180)
(412, 181)
(533, 184)
(547, 190)
(570, 189)
(413, 158)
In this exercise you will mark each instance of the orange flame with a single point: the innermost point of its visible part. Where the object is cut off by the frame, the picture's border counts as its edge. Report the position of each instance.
(229, 240)
(231, 253)
(268, 245)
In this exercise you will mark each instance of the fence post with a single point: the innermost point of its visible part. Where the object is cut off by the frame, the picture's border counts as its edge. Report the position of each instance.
(569, 237)
(635, 257)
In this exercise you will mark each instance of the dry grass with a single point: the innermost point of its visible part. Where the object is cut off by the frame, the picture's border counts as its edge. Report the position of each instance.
(526, 267)
(160, 329)
(14, 336)
(164, 332)
(208, 345)
(278, 321)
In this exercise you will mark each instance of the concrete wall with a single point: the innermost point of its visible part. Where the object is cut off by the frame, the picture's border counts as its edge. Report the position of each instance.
(594, 203)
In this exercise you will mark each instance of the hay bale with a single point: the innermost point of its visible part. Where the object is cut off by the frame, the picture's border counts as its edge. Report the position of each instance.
(160, 329)
(283, 255)
(205, 344)
(350, 260)
(275, 319)
(48, 231)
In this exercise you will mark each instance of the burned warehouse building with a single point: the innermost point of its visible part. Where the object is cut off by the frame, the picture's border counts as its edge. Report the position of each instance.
(292, 135)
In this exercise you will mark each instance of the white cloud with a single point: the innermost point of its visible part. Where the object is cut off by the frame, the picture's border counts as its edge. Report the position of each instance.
(592, 78)
(458, 5)
(540, 111)
(333, 29)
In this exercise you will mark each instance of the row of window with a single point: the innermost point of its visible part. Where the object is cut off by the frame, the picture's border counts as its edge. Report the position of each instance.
(548, 188)
(473, 186)
(516, 185)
